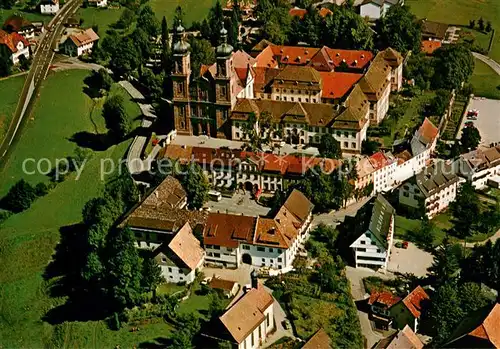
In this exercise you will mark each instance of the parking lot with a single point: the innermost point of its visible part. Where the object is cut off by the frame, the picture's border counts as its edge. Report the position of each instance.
(411, 260)
(239, 204)
(488, 121)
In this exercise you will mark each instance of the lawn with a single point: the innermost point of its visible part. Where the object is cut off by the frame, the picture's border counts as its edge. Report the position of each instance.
(195, 10)
(485, 81)
(460, 12)
(27, 240)
(412, 117)
(101, 17)
(456, 115)
(11, 88)
(32, 16)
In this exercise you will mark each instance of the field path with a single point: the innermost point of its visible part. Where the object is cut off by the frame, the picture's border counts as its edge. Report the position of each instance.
(487, 60)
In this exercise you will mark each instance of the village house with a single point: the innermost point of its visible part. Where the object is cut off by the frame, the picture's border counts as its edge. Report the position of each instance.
(227, 287)
(434, 31)
(17, 45)
(249, 320)
(263, 242)
(319, 340)
(374, 9)
(481, 167)
(431, 190)
(380, 302)
(233, 168)
(404, 338)
(98, 3)
(373, 248)
(301, 12)
(49, 7)
(414, 156)
(407, 312)
(384, 165)
(20, 25)
(80, 43)
(478, 330)
(180, 257)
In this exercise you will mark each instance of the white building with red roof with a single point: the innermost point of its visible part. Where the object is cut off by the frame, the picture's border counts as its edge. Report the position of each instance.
(49, 7)
(17, 45)
(409, 309)
(80, 43)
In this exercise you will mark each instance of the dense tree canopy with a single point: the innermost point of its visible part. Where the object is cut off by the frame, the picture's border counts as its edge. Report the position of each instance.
(202, 52)
(400, 30)
(196, 185)
(276, 20)
(453, 65)
(470, 139)
(20, 197)
(147, 21)
(346, 29)
(329, 147)
(465, 211)
(116, 117)
(125, 56)
(5, 61)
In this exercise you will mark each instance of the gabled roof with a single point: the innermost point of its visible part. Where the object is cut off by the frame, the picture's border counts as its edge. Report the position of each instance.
(482, 326)
(12, 40)
(392, 57)
(413, 301)
(85, 37)
(184, 247)
(429, 46)
(337, 85)
(423, 137)
(299, 205)
(479, 159)
(319, 340)
(403, 339)
(228, 230)
(16, 23)
(299, 74)
(435, 178)
(247, 313)
(169, 193)
(381, 219)
(383, 297)
(376, 79)
(434, 29)
(241, 59)
(221, 284)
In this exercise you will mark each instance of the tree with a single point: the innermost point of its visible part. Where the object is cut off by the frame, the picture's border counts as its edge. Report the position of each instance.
(123, 268)
(348, 30)
(329, 147)
(489, 27)
(276, 20)
(99, 81)
(140, 38)
(445, 311)
(307, 29)
(5, 61)
(470, 139)
(480, 24)
(7, 4)
(166, 59)
(151, 275)
(216, 306)
(369, 147)
(125, 58)
(327, 234)
(424, 236)
(445, 265)
(419, 69)
(196, 185)
(472, 23)
(181, 340)
(147, 21)
(20, 197)
(258, 131)
(465, 211)
(115, 116)
(178, 16)
(439, 103)
(453, 65)
(202, 52)
(152, 82)
(398, 29)
(126, 19)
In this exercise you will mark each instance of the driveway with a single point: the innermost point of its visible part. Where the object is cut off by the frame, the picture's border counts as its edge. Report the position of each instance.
(412, 260)
(335, 217)
(355, 277)
(485, 59)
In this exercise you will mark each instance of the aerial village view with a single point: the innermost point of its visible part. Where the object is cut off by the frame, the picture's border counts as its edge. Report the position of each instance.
(247, 174)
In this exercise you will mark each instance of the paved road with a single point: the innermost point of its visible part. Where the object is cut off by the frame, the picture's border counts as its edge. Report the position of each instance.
(135, 164)
(335, 217)
(485, 59)
(38, 71)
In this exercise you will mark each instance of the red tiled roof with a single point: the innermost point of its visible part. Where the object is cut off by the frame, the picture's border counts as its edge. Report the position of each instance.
(84, 38)
(12, 40)
(383, 297)
(378, 160)
(228, 230)
(429, 46)
(428, 131)
(297, 12)
(319, 340)
(353, 58)
(413, 301)
(266, 59)
(490, 328)
(222, 284)
(336, 85)
(325, 12)
(16, 23)
(297, 55)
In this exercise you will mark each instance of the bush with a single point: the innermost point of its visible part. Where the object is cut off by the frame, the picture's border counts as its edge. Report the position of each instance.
(19, 198)
(41, 189)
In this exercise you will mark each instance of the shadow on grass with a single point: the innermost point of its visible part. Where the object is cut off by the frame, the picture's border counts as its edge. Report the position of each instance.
(159, 342)
(103, 141)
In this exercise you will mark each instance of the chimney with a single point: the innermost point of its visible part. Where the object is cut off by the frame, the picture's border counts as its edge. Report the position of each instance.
(255, 281)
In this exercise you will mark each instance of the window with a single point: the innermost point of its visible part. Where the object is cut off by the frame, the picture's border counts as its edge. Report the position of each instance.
(246, 247)
(217, 255)
(361, 249)
(284, 98)
(353, 145)
(261, 249)
(215, 247)
(363, 242)
(229, 249)
(279, 250)
(378, 250)
(263, 260)
(271, 249)
(406, 194)
(268, 319)
(346, 144)
(373, 243)
(280, 260)
(169, 269)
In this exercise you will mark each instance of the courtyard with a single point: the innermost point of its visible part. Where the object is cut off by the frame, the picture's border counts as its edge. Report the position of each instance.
(239, 203)
(488, 121)
(403, 260)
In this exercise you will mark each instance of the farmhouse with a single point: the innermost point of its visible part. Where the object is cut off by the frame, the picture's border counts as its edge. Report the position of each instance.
(17, 45)
(80, 43)
(374, 9)
(407, 312)
(480, 167)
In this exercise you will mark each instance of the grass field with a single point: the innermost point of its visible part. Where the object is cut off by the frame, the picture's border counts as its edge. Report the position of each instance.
(103, 18)
(27, 240)
(485, 81)
(460, 12)
(32, 16)
(195, 10)
(11, 88)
